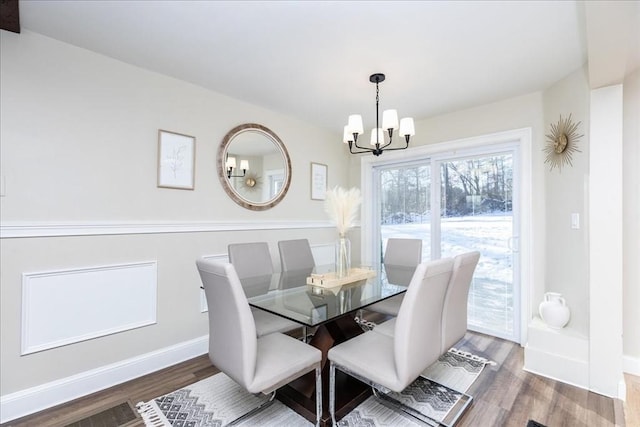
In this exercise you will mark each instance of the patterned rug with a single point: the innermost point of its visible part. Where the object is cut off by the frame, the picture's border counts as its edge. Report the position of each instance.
(217, 400)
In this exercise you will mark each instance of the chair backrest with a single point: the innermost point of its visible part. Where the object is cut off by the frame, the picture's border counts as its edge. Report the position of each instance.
(406, 252)
(250, 259)
(418, 330)
(295, 255)
(399, 274)
(454, 313)
(232, 331)
(294, 278)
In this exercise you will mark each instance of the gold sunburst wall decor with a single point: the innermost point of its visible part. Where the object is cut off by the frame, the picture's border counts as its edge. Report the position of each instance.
(562, 143)
(251, 182)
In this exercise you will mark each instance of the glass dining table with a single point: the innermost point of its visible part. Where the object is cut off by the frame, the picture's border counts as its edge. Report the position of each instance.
(331, 311)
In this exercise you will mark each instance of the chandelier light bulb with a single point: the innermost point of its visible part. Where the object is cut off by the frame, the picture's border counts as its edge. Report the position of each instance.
(380, 136)
(348, 135)
(406, 127)
(390, 119)
(355, 124)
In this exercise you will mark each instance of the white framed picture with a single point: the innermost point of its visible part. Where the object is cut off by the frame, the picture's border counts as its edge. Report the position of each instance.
(318, 181)
(176, 160)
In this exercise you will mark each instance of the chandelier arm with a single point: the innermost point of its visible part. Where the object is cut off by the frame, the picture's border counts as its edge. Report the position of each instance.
(363, 148)
(387, 144)
(367, 150)
(397, 148)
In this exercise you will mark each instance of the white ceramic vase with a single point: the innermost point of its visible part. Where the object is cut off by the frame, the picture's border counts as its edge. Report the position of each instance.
(554, 310)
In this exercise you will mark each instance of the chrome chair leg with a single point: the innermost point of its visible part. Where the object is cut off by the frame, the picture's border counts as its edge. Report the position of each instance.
(332, 393)
(318, 395)
(258, 408)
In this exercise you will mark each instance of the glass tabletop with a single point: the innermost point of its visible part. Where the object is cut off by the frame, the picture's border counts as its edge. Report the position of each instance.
(288, 295)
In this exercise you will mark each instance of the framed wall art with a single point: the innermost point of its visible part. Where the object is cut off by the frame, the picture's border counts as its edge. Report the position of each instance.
(176, 160)
(318, 181)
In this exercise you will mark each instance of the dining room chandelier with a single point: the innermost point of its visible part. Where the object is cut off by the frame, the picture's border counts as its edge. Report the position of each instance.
(354, 127)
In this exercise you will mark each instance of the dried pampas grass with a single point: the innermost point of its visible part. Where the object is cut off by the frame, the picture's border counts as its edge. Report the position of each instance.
(342, 207)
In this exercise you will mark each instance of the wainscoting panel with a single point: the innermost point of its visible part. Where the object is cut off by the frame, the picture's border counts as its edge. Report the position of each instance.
(69, 306)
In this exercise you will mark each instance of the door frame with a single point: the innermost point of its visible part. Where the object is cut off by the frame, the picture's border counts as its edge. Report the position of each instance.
(521, 139)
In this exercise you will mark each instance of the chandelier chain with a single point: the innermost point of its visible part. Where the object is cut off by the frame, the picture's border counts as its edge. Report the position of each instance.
(377, 113)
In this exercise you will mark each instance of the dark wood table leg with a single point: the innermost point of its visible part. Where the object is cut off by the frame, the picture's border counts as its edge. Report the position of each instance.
(299, 395)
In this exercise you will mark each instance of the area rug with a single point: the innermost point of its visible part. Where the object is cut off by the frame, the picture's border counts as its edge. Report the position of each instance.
(217, 400)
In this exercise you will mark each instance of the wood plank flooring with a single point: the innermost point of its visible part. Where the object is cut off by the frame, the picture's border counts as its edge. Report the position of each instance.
(504, 395)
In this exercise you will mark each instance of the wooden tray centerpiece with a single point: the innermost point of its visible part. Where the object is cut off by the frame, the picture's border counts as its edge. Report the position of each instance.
(329, 280)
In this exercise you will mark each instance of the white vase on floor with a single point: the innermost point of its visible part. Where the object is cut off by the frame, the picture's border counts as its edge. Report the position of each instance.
(554, 311)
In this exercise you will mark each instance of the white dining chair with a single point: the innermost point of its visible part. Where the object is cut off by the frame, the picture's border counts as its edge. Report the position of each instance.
(253, 260)
(399, 253)
(250, 259)
(295, 255)
(391, 363)
(260, 365)
(454, 313)
(405, 252)
(454, 310)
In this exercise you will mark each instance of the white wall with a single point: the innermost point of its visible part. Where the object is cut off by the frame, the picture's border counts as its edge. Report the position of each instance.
(567, 249)
(631, 221)
(605, 240)
(79, 153)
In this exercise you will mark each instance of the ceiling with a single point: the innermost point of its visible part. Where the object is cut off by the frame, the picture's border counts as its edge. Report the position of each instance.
(312, 59)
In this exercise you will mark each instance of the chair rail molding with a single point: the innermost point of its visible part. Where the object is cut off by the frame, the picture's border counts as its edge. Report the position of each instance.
(21, 229)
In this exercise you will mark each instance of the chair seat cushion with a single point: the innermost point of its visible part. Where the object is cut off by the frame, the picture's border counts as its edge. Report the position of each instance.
(275, 365)
(389, 306)
(386, 328)
(267, 323)
(370, 356)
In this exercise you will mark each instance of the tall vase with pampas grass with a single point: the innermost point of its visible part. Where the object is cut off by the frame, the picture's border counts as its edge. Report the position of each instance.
(342, 207)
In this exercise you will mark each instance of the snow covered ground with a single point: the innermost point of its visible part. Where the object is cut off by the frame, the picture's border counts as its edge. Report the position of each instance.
(491, 293)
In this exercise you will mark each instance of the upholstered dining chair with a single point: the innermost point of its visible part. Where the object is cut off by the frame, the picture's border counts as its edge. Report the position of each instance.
(454, 313)
(398, 253)
(391, 363)
(405, 252)
(252, 261)
(295, 255)
(260, 365)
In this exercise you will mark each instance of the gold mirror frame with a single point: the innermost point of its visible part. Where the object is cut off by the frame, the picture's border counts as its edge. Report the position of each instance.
(222, 173)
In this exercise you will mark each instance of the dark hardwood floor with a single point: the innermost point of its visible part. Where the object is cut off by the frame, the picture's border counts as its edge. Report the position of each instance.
(504, 394)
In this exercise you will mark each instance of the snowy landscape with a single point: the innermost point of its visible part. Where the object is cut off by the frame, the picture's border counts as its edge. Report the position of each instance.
(491, 294)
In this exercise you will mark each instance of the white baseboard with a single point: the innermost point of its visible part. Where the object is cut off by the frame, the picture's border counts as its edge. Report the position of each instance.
(34, 399)
(631, 365)
(556, 367)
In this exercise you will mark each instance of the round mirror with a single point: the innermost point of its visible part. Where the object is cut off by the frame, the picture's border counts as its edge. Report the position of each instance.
(254, 167)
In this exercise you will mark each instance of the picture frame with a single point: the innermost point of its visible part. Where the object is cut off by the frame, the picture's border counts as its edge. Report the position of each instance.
(176, 160)
(318, 181)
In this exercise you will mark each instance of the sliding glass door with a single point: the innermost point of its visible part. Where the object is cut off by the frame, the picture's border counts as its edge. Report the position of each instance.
(458, 204)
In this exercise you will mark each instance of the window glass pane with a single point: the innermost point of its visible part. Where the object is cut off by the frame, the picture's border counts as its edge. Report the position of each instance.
(405, 209)
(476, 214)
